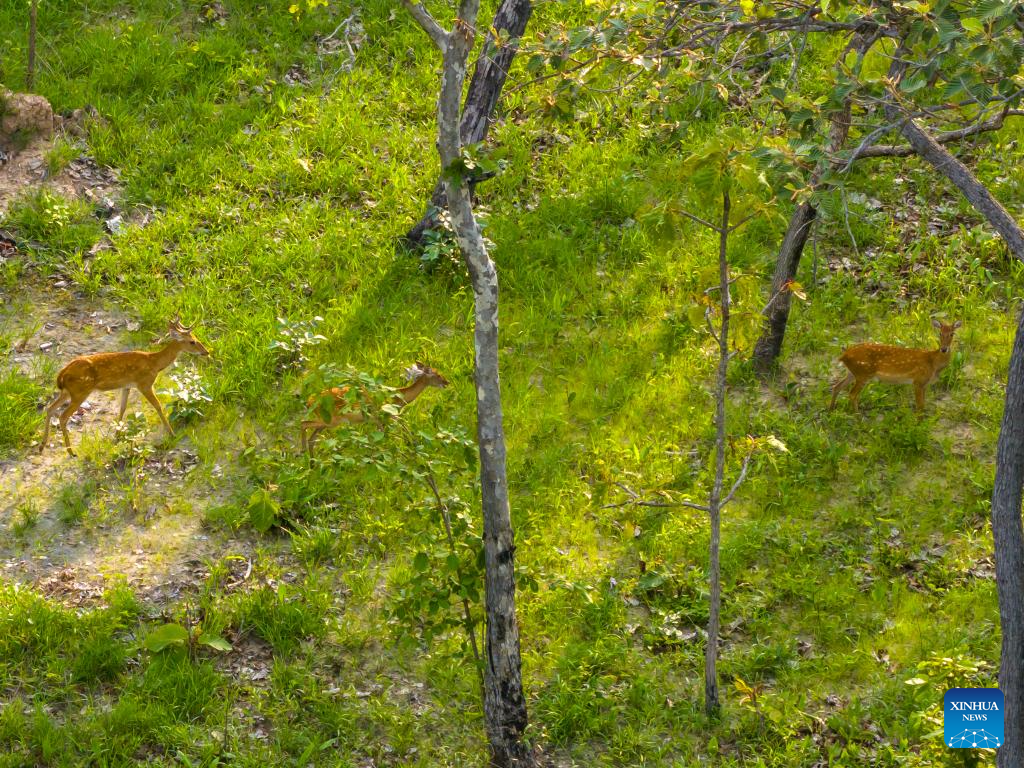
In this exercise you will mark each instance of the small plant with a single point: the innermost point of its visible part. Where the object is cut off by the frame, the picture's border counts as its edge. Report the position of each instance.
(189, 396)
(60, 156)
(440, 252)
(26, 517)
(190, 635)
(73, 501)
(295, 338)
(131, 448)
(314, 545)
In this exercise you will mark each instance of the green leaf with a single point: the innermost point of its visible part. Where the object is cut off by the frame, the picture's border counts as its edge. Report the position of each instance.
(216, 642)
(165, 636)
(421, 562)
(263, 510)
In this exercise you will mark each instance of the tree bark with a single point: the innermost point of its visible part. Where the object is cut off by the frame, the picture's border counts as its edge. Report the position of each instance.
(492, 66)
(1008, 539)
(30, 68)
(711, 701)
(1007, 535)
(769, 344)
(504, 702)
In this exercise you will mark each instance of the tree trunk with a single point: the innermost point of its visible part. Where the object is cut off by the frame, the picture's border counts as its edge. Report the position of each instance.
(976, 193)
(504, 703)
(1008, 541)
(769, 344)
(1007, 536)
(711, 702)
(485, 88)
(30, 68)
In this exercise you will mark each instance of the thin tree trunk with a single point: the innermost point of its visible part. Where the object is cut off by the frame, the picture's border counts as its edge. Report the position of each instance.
(976, 193)
(485, 88)
(504, 703)
(30, 69)
(1007, 535)
(711, 702)
(769, 344)
(1008, 539)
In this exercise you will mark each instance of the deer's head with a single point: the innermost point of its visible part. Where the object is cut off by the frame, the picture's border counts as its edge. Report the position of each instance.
(183, 335)
(946, 331)
(421, 371)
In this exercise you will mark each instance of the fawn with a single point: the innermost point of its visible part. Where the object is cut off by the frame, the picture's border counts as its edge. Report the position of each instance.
(117, 370)
(421, 375)
(896, 365)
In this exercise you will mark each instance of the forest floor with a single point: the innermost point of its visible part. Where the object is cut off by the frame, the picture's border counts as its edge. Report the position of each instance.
(242, 172)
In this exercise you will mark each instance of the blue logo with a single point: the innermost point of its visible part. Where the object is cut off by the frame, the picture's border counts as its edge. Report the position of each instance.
(973, 718)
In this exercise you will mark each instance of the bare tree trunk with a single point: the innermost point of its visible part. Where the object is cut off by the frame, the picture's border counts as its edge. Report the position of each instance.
(504, 703)
(30, 69)
(485, 88)
(1008, 538)
(769, 344)
(711, 701)
(976, 193)
(1009, 556)
(1007, 535)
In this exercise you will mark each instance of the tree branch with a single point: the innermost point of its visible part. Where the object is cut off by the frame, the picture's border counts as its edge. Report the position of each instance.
(739, 480)
(429, 24)
(944, 137)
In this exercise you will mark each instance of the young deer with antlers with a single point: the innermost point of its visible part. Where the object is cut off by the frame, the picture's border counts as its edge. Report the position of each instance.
(895, 365)
(117, 370)
(421, 376)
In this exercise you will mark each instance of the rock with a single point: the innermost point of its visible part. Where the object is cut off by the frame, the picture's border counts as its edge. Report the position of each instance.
(24, 115)
(75, 124)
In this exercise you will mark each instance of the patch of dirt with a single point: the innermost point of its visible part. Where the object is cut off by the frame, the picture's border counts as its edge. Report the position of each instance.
(142, 522)
(159, 547)
(28, 129)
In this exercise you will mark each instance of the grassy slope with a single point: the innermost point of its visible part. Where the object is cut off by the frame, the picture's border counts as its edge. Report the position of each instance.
(848, 561)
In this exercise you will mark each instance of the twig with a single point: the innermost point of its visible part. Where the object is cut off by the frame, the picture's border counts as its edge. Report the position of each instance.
(739, 481)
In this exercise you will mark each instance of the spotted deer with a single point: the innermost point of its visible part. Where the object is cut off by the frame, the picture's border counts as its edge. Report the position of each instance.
(894, 365)
(343, 412)
(117, 370)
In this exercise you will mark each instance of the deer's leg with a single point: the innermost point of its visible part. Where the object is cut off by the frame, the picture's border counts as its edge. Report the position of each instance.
(147, 392)
(67, 413)
(919, 396)
(855, 391)
(314, 435)
(124, 403)
(52, 407)
(838, 387)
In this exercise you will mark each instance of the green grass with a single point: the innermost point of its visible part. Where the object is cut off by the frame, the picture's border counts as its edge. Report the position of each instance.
(848, 561)
(19, 420)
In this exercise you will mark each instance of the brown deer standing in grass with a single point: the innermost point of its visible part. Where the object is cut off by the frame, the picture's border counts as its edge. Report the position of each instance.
(421, 375)
(895, 365)
(117, 370)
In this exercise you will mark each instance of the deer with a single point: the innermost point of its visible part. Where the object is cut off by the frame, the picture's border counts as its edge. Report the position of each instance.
(419, 374)
(107, 371)
(895, 365)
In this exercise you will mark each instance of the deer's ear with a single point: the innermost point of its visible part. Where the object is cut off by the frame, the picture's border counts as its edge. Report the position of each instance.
(936, 323)
(957, 324)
